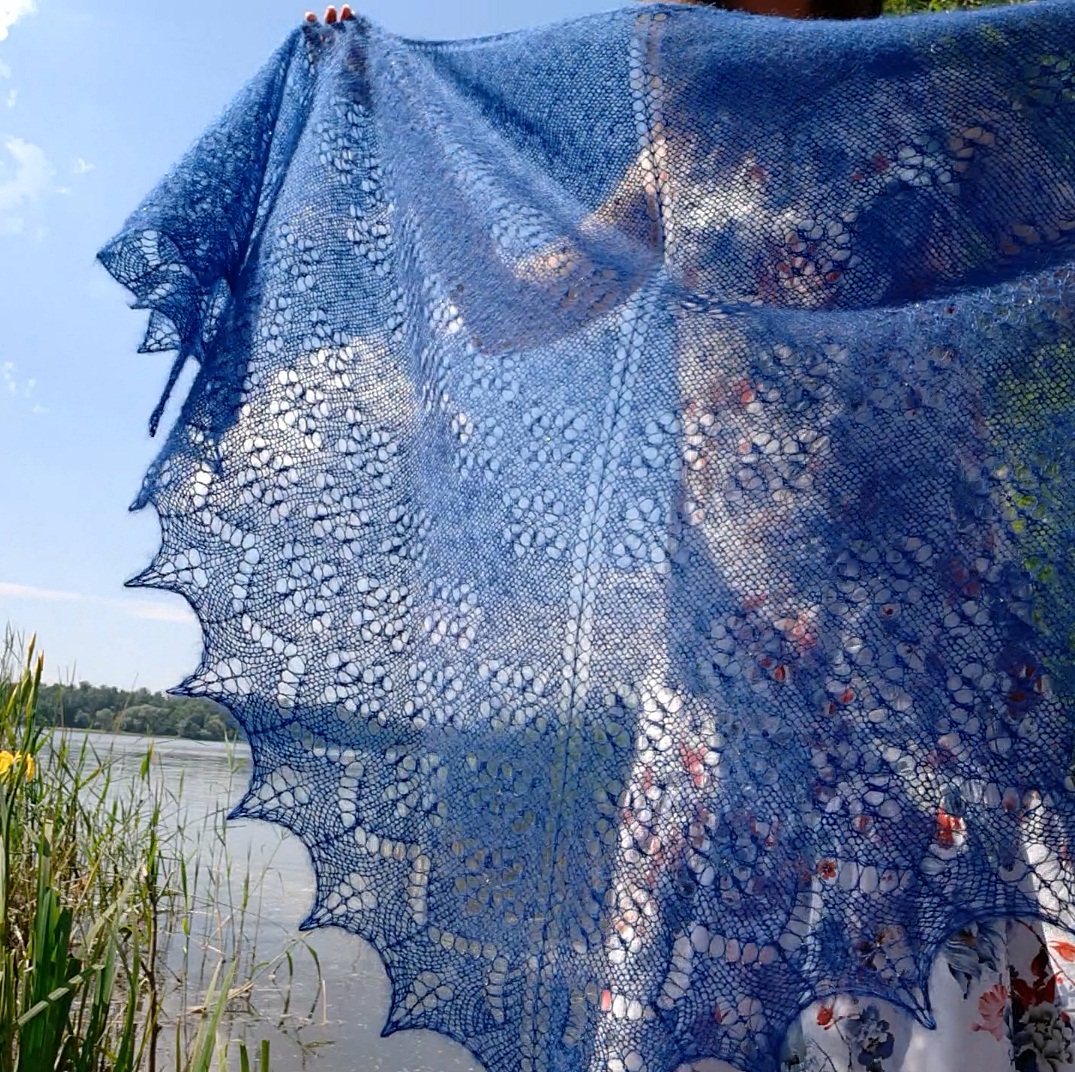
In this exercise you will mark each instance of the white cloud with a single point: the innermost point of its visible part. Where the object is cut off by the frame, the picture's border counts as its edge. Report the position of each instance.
(5, 70)
(11, 11)
(81, 167)
(154, 612)
(47, 595)
(158, 612)
(23, 179)
(11, 98)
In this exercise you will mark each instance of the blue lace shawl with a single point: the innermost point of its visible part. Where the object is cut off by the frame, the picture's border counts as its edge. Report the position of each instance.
(627, 493)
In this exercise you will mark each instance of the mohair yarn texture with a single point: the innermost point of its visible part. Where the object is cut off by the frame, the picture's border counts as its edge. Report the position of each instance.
(627, 492)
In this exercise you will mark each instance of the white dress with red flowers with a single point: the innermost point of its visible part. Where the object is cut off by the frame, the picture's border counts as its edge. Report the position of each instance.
(1003, 998)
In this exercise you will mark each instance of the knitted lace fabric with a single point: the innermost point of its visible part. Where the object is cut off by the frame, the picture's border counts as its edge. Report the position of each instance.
(627, 493)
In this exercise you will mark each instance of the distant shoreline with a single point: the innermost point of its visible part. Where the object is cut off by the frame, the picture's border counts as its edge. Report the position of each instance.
(103, 708)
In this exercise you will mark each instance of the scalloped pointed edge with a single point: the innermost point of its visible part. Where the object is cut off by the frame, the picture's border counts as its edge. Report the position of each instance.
(765, 1061)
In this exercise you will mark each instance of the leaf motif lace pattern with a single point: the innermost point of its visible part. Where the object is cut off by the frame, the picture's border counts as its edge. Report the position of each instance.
(629, 497)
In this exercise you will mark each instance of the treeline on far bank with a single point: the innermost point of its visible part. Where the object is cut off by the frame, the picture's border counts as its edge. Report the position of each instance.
(99, 707)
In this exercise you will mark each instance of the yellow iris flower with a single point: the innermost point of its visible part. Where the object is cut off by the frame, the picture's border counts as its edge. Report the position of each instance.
(8, 760)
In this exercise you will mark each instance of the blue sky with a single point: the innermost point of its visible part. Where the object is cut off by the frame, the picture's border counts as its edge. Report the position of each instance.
(97, 99)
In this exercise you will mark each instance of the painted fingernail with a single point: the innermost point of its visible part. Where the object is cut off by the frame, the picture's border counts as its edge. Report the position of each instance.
(330, 15)
(311, 17)
(346, 14)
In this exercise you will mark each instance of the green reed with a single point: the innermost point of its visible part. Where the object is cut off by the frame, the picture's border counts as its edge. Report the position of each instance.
(96, 886)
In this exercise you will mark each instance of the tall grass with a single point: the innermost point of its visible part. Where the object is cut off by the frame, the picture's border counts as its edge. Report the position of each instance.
(96, 889)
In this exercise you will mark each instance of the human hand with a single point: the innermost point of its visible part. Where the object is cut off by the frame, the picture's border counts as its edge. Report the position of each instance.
(345, 15)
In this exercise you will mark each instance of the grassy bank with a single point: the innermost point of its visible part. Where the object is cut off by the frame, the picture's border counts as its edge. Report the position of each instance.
(121, 948)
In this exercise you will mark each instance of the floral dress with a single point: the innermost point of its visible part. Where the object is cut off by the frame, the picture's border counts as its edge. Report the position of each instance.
(1003, 998)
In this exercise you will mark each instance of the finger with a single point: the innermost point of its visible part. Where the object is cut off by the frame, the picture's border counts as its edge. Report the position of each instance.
(346, 14)
(311, 17)
(330, 15)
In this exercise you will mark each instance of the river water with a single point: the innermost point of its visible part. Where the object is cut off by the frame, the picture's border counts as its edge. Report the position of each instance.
(331, 1024)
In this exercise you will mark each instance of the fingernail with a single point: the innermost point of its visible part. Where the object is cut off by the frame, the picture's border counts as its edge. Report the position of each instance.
(330, 15)
(311, 17)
